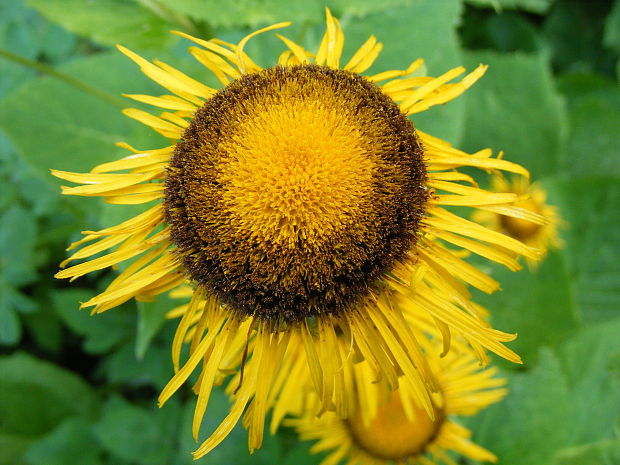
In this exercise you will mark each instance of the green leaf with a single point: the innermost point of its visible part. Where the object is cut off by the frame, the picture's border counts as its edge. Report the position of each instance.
(10, 326)
(18, 262)
(507, 31)
(612, 28)
(13, 447)
(583, 51)
(233, 450)
(534, 420)
(154, 369)
(75, 130)
(101, 332)
(595, 385)
(594, 139)
(253, 13)
(18, 232)
(72, 442)
(45, 329)
(23, 29)
(136, 434)
(590, 206)
(426, 29)
(361, 8)
(571, 397)
(526, 299)
(35, 395)
(301, 455)
(515, 108)
(535, 6)
(108, 22)
(594, 112)
(580, 86)
(599, 453)
(151, 318)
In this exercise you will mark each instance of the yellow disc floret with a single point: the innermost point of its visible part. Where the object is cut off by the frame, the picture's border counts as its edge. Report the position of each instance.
(391, 435)
(520, 228)
(287, 181)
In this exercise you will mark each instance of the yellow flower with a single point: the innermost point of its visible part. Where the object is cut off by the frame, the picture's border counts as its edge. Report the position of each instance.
(542, 236)
(301, 204)
(394, 428)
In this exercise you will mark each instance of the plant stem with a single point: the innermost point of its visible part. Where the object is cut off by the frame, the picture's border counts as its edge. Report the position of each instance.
(45, 69)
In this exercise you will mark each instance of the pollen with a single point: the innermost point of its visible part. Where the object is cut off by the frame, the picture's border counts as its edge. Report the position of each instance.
(393, 436)
(293, 190)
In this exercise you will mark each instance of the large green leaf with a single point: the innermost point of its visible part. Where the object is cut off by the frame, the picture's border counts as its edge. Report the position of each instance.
(18, 232)
(594, 112)
(10, 325)
(571, 398)
(534, 420)
(254, 13)
(515, 108)
(361, 8)
(18, 261)
(36, 395)
(612, 28)
(25, 31)
(153, 369)
(13, 447)
(233, 450)
(535, 6)
(100, 332)
(594, 139)
(151, 318)
(108, 22)
(426, 29)
(527, 299)
(45, 329)
(55, 125)
(595, 385)
(72, 442)
(599, 453)
(583, 51)
(505, 32)
(590, 206)
(138, 435)
(301, 455)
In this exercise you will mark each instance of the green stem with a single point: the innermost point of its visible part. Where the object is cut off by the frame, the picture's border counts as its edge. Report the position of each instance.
(45, 69)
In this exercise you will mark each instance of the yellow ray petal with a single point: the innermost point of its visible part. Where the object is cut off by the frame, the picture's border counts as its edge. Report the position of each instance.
(365, 56)
(297, 50)
(330, 49)
(245, 64)
(169, 102)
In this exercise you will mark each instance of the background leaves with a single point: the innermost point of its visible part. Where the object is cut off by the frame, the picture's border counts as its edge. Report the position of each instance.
(81, 389)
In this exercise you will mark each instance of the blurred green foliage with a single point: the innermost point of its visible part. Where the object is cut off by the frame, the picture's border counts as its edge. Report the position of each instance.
(76, 389)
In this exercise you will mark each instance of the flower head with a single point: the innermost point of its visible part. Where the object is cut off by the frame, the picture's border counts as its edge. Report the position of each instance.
(526, 227)
(303, 208)
(391, 427)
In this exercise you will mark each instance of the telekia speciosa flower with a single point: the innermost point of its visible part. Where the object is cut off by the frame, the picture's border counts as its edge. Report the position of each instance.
(542, 236)
(305, 210)
(394, 429)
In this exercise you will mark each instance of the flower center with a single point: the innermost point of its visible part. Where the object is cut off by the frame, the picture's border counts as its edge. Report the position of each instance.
(293, 190)
(391, 435)
(518, 228)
